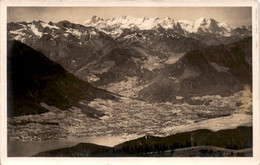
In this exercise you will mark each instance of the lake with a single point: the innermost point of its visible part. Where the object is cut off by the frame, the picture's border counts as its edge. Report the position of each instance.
(29, 148)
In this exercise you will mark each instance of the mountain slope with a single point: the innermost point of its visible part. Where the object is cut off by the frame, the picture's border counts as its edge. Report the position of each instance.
(215, 70)
(33, 78)
(71, 45)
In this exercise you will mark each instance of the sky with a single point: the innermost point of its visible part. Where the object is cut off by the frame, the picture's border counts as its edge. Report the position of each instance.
(233, 16)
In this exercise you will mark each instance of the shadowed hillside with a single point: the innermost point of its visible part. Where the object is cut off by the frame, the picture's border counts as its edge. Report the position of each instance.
(33, 78)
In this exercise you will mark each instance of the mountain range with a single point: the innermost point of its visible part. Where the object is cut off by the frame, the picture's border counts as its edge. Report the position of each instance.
(209, 31)
(152, 59)
(79, 49)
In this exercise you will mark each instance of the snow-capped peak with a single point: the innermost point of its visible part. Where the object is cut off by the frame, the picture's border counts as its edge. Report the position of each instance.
(116, 25)
(201, 20)
(204, 25)
(129, 22)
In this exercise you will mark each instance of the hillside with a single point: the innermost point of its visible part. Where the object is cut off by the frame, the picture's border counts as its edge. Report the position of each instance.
(234, 139)
(215, 70)
(33, 79)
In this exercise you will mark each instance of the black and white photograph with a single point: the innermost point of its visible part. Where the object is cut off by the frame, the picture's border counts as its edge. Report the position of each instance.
(130, 81)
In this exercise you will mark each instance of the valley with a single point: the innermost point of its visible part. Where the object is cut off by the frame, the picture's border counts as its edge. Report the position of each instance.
(113, 84)
(125, 117)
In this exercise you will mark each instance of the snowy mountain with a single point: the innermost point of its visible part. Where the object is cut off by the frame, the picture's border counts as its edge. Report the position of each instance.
(114, 26)
(199, 29)
(38, 29)
(203, 25)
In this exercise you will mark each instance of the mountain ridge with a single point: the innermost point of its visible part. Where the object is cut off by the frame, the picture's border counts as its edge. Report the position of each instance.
(90, 53)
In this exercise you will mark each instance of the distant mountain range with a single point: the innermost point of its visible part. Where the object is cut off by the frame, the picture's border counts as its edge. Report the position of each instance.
(209, 31)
